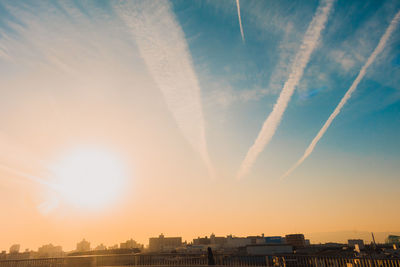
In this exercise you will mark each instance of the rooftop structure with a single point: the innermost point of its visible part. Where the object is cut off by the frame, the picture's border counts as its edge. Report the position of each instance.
(296, 240)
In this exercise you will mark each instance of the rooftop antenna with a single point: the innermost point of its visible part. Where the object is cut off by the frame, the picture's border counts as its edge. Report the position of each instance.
(373, 240)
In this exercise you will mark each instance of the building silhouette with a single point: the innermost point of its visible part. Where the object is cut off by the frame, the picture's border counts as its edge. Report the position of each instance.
(83, 246)
(100, 247)
(164, 244)
(50, 251)
(296, 240)
(129, 244)
(14, 248)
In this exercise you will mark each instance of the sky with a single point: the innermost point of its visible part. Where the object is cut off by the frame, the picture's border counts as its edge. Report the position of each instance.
(127, 119)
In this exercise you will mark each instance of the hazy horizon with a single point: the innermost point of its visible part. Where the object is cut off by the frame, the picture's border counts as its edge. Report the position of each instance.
(315, 238)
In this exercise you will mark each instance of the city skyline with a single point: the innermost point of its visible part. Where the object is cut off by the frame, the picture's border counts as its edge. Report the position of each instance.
(329, 238)
(132, 118)
(314, 239)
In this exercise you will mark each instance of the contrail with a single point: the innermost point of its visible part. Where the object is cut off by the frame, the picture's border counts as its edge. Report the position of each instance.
(310, 41)
(163, 47)
(25, 175)
(18, 155)
(240, 19)
(158, 36)
(360, 76)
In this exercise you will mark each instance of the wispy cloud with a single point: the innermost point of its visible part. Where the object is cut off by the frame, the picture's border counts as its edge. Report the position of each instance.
(240, 19)
(346, 97)
(345, 60)
(310, 42)
(14, 154)
(225, 96)
(56, 42)
(24, 175)
(62, 47)
(3, 52)
(163, 47)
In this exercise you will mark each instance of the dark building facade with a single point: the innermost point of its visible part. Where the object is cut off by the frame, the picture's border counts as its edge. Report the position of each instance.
(296, 240)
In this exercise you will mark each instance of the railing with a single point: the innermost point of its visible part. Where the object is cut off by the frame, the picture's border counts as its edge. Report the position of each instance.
(52, 262)
(300, 261)
(201, 260)
(179, 260)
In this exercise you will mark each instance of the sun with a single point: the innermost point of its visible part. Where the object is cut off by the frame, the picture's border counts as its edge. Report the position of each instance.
(89, 177)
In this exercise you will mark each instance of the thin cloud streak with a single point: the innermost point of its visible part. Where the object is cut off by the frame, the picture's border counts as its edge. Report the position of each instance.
(3, 52)
(163, 47)
(14, 154)
(165, 52)
(240, 19)
(25, 175)
(310, 42)
(346, 97)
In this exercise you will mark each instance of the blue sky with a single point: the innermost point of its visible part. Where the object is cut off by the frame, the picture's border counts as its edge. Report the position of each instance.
(181, 90)
(228, 67)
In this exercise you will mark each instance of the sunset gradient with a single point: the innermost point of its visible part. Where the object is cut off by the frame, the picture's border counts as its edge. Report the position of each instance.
(127, 119)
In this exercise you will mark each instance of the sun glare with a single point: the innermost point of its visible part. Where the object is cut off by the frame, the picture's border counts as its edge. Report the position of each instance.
(90, 178)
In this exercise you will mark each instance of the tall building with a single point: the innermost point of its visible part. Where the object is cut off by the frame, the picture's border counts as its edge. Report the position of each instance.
(296, 240)
(163, 243)
(83, 246)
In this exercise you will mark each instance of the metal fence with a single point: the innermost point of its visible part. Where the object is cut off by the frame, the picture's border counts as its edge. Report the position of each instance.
(300, 261)
(201, 260)
(52, 262)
